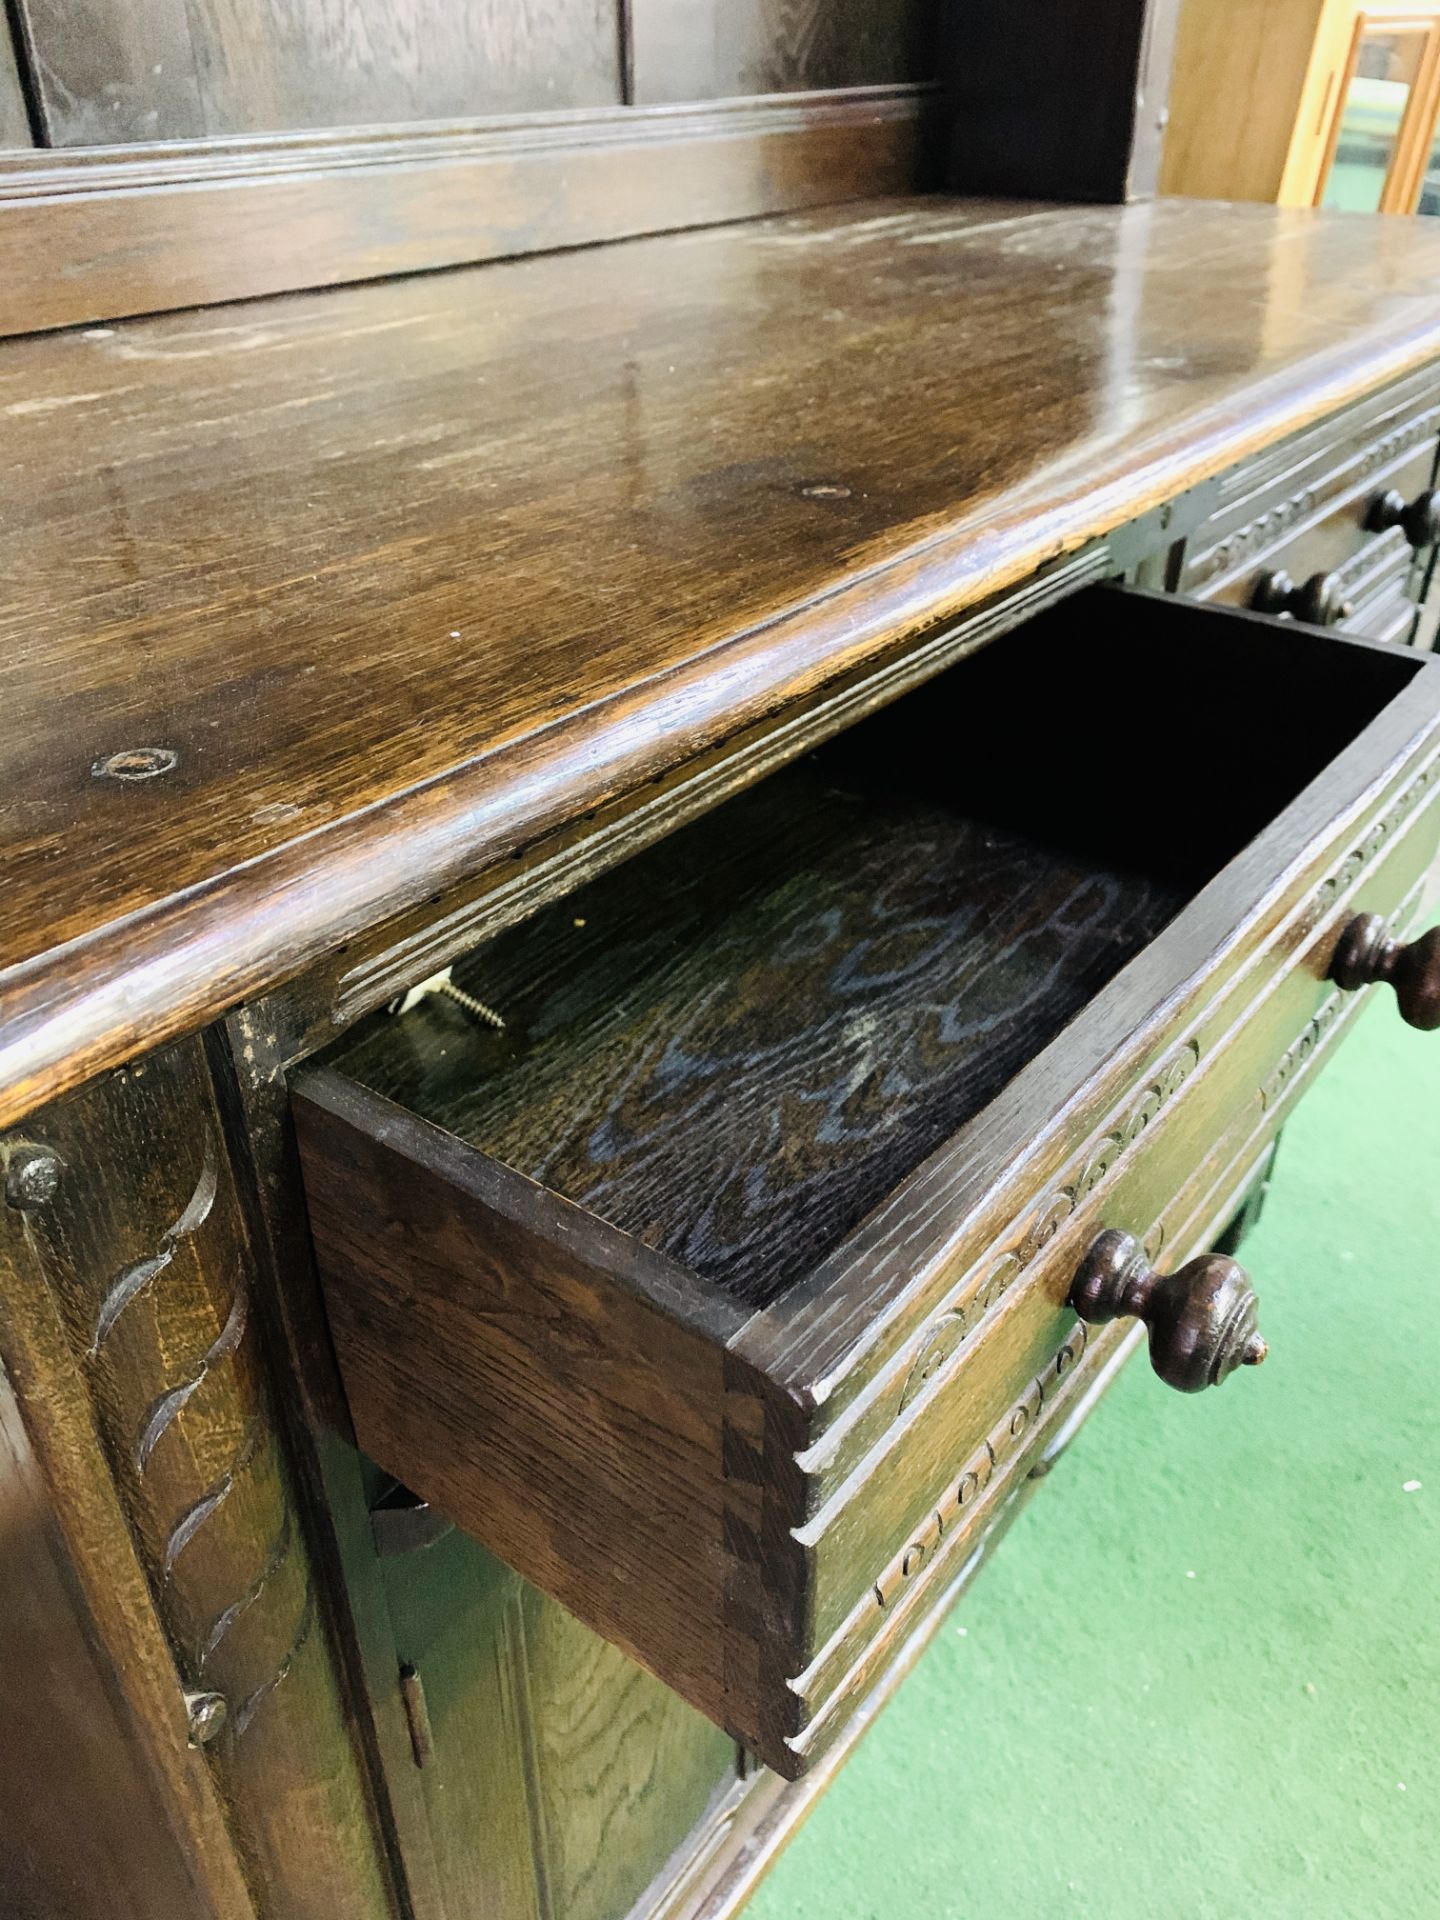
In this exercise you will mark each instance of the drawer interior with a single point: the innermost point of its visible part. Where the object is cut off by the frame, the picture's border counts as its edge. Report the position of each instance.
(736, 1044)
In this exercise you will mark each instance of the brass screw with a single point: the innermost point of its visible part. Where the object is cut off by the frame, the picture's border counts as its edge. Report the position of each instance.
(443, 984)
(471, 1004)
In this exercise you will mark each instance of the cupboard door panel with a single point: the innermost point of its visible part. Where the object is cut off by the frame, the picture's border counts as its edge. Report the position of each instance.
(625, 1771)
(558, 1778)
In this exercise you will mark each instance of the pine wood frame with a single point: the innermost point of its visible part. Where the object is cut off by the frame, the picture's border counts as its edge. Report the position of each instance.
(1406, 171)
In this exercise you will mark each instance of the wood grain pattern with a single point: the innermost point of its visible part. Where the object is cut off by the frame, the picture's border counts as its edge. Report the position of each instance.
(101, 233)
(457, 1618)
(142, 1250)
(1240, 98)
(118, 70)
(711, 1877)
(674, 505)
(702, 49)
(1156, 1187)
(1325, 801)
(1201, 1160)
(577, 1349)
(506, 1807)
(563, 1776)
(737, 1044)
(369, 971)
(336, 1485)
(95, 1534)
(624, 1769)
(714, 1883)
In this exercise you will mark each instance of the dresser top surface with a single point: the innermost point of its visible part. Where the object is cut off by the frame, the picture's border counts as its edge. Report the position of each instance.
(402, 576)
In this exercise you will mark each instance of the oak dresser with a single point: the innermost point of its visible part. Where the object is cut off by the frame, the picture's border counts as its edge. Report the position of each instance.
(660, 898)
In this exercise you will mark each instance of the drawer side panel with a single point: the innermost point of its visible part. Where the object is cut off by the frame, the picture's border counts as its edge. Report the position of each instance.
(500, 1362)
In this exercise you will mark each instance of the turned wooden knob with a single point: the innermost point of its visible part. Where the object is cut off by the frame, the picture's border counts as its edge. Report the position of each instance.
(1365, 953)
(1201, 1317)
(1320, 601)
(1418, 519)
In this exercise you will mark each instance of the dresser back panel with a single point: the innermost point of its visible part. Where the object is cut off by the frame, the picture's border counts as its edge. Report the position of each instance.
(710, 49)
(197, 151)
(106, 71)
(113, 70)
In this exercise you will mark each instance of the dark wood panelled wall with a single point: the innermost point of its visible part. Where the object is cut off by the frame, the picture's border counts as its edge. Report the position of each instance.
(157, 154)
(106, 71)
(340, 140)
(109, 70)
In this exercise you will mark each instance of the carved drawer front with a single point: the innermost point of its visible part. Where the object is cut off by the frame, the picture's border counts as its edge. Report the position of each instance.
(1339, 534)
(704, 1246)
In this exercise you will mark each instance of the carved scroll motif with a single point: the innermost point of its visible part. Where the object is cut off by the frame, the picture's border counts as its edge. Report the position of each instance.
(177, 1316)
(1398, 439)
(1311, 1036)
(964, 1493)
(144, 1249)
(949, 1328)
(1378, 834)
(1257, 534)
(1283, 516)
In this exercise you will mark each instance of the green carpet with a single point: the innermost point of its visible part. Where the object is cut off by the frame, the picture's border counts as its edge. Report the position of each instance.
(1202, 1678)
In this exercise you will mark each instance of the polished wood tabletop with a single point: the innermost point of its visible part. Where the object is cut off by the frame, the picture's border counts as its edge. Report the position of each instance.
(314, 604)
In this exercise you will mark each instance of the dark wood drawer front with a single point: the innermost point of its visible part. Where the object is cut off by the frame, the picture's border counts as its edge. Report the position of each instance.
(723, 1289)
(1376, 588)
(1129, 1169)
(914, 1507)
(1326, 518)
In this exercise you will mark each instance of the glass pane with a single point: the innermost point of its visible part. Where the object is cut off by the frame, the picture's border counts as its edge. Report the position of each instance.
(1430, 185)
(1370, 120)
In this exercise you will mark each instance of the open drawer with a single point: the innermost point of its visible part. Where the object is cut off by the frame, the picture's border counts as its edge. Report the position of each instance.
(725, 1292)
